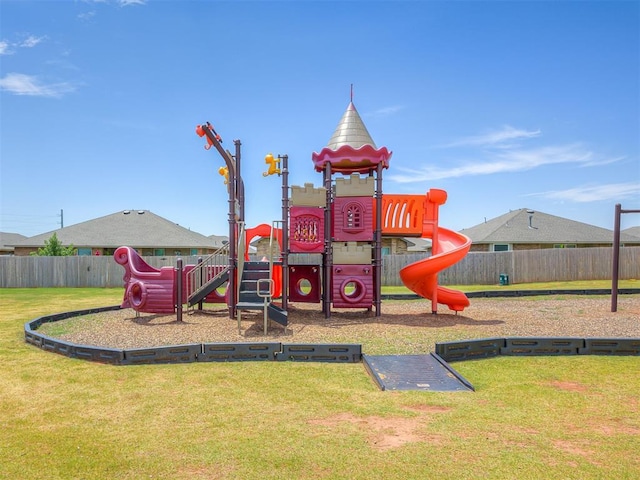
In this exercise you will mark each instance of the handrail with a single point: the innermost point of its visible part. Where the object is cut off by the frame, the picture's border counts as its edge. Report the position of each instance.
(207, 271)
(266, 298)
(241, 253)
(274, 228)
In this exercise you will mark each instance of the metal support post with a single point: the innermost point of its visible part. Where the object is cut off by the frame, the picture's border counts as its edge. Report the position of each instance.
(285, 230)
(327, 263)
(377, 260)
(178, 299)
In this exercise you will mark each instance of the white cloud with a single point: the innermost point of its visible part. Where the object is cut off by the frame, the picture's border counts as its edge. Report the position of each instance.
(90, 15)
(494, 138)
(594, 193)
(21, 84)
(87, 16)
(384, 112)
(31, 41)
(5, 48)
(8, 48)
(497, 152)
(515, 160)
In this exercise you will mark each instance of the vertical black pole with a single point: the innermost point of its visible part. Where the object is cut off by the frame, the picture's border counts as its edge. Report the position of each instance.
(327, 263)
(233, 182)
(285, 230)
(233, 188)
(377, 261)
(179, 290)
(616, 258)
(238, 199)
(240, 188)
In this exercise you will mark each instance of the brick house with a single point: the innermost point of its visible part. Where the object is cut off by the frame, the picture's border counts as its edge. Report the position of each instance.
(526, 229)
(148, 233)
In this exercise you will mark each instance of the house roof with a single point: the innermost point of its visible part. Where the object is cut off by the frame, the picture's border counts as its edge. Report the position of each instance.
(415, 244)
(8, 239)
(634, 231)
(135, 228)
(528, 226)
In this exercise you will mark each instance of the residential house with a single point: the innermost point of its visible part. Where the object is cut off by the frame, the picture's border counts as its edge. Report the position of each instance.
(7, 240)
(148, 233)
(526, 229)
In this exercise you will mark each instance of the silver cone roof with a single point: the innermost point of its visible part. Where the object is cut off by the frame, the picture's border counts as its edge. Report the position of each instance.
(350, 131)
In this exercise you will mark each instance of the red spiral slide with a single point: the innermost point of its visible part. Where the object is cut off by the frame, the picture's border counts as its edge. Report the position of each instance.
(410, 214)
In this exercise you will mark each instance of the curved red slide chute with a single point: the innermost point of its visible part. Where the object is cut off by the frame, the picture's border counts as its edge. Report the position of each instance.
(418, 215)
(421, 277)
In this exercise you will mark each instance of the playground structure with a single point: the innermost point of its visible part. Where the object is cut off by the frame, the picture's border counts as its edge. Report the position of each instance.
(616, 254)
(344, 221)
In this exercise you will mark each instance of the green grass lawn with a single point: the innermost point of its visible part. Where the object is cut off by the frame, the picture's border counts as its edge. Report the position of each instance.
(575, 417)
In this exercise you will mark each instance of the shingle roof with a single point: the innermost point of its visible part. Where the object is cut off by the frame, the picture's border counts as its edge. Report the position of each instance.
(526, 226)
(219, 240)
(134, 228)
(415, 244)
(7, 239)
(633, 231)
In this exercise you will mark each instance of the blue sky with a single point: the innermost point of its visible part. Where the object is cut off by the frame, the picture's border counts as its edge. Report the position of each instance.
(503, 104)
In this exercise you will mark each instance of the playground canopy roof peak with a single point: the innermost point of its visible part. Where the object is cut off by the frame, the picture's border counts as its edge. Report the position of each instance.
(350, 131)
(351, 148)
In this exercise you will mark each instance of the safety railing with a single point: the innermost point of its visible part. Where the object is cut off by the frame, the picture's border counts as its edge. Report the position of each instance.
(208, 271)
(241, 251)
(402, 214)
(275, 225)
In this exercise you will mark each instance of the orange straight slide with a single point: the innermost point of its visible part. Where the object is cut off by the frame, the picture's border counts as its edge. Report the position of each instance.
(418, 215)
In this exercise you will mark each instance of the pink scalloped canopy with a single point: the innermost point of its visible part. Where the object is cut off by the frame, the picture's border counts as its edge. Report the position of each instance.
(347, 159)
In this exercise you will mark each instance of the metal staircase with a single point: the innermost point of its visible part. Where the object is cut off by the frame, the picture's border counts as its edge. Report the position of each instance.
(256, 286)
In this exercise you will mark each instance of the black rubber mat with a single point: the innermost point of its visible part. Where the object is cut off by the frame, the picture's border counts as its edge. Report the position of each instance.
(414, 372)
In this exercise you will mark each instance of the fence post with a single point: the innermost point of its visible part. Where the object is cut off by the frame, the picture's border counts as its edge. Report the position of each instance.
(201, 281)
(179, 291)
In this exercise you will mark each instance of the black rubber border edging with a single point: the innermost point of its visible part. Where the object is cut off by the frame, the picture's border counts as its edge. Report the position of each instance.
(188, 353)
(534, 346)
(333, 353)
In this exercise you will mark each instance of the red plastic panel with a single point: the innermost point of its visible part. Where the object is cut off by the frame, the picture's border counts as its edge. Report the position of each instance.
(402, 214)
(306, 230)
(147, 289)
(263, 230)
(301, 278)
(352, 286)
(353, 219)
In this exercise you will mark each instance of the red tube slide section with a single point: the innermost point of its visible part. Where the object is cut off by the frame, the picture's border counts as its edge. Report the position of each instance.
(421, 277)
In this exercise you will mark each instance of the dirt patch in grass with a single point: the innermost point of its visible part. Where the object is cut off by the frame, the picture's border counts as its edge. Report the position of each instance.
(570, 386)
(385, 433)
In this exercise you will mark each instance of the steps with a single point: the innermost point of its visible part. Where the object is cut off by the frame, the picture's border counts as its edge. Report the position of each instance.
(254, 287)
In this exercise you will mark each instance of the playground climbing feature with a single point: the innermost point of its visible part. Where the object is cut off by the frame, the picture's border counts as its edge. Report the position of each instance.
(344, 223)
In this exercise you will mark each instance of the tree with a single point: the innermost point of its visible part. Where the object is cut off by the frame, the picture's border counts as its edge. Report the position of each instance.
(53, 248)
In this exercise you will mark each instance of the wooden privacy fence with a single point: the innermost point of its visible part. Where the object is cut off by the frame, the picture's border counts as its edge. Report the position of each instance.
(477, 268)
